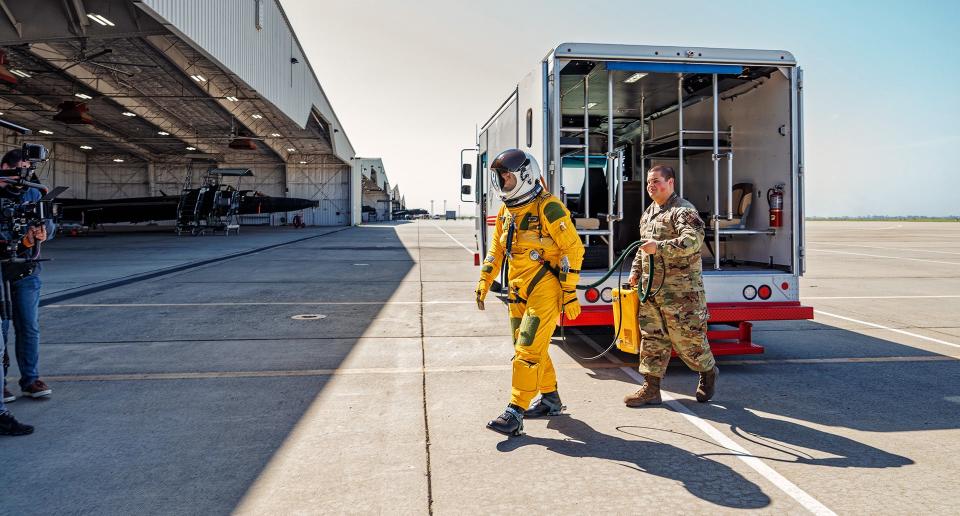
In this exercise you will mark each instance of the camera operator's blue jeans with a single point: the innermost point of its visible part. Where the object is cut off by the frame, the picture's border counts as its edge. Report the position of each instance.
(26, 324)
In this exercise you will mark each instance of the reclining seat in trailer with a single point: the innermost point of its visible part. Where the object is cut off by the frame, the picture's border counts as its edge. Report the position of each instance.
(742, 200)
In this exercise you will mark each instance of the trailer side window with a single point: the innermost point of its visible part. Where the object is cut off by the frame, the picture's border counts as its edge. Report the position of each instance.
(530, 128)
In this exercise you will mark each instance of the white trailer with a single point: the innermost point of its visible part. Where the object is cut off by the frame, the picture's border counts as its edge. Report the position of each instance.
(730, 124)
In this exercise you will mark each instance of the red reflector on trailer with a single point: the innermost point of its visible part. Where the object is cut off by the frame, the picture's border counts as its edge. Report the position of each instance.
(764, 292)
(476, 259)
(784, 286)
(592, 295)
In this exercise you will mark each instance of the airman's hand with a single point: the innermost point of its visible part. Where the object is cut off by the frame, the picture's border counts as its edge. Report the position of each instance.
(481, 293)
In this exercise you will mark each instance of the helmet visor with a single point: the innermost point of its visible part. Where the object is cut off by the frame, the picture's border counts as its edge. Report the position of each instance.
(510, 161)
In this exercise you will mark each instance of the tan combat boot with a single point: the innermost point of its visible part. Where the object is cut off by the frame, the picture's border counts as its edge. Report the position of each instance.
(707, 385)
(649, 394)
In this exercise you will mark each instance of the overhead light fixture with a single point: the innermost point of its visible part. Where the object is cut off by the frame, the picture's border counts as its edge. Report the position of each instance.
(127, 113)
(258, 117)
(117, 160)
(275, 135)
(291, 149)
(163, 133)
(635, 77)
(86, 147)
(44, 131)
(5, 74)
(100, 19)
(303, 162)
(20, 73)
(198, 78)
(191, 148)
(242, 144)
(231, 98)
(590, 105)
(83, 96)
(72, 112)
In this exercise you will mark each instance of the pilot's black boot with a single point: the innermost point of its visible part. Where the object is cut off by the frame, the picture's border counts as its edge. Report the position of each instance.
(508, 423)
(546, 405)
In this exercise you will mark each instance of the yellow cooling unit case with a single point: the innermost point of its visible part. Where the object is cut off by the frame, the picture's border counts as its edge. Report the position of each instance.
(625, 306)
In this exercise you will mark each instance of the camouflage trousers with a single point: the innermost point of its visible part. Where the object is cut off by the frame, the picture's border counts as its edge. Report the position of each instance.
(676, 320)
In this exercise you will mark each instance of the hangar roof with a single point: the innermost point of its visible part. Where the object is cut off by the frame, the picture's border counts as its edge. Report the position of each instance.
(168, 79)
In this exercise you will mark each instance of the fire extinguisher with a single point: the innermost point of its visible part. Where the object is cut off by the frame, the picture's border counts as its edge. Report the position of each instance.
(775, 199)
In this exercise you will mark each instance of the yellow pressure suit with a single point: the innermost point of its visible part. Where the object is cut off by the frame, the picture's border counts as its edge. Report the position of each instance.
(545, 255)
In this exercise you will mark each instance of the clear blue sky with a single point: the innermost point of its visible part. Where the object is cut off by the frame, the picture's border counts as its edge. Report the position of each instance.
(410, 81)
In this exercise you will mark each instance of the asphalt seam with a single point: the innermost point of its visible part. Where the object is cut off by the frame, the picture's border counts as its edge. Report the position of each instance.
(208, 375)
(136, 278)
(423, 369)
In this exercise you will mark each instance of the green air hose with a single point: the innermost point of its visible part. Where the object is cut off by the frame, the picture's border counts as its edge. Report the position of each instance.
(643, 294)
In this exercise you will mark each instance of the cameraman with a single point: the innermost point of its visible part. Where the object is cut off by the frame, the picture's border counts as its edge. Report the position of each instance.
(24, 282)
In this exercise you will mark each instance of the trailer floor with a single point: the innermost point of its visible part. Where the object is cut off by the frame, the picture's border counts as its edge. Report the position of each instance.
(333, 370)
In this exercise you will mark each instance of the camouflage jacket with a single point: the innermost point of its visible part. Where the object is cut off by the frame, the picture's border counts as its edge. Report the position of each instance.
(678, 230)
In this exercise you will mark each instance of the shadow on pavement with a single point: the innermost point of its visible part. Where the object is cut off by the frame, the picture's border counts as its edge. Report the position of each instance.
(704, 478)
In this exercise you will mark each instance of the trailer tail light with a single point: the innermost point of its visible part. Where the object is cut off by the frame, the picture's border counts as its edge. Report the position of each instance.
(749, 292)
(476, 259)
(607, 295)
(764, 292)
(592, 295)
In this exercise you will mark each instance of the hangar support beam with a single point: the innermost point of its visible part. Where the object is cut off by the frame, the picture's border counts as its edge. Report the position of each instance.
(83, 74)
(168, 48)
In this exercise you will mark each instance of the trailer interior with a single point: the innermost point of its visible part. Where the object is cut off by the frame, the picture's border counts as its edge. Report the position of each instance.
(726, 131)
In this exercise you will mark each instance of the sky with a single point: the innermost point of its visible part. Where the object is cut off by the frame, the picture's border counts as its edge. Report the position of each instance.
(411, 81)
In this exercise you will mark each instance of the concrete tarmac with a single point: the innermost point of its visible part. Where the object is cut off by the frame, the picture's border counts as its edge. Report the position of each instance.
(331, 371)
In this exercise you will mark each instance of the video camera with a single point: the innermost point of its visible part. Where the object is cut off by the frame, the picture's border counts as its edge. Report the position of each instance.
(18, 216)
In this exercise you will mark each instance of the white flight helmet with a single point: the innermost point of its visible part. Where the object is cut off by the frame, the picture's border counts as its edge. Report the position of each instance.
(524, 168)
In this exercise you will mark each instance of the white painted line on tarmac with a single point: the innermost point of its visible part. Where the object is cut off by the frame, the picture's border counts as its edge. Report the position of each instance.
(788, 487)
(881, 256)
(880, 326)
(954, 399)
(284, 303)
(947, 296)
(471, 251)
(886, 248)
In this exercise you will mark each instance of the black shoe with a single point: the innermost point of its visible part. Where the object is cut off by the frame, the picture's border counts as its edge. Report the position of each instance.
(546, 405)
(508, 423)
(10, 426)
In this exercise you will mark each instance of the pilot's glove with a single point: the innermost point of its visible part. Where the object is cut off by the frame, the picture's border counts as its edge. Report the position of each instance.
(481, 292)
(571, 306)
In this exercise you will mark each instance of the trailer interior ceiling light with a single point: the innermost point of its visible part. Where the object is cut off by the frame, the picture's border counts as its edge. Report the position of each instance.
(73, 112)
(5, 74)
(635, 77)
(102, 20)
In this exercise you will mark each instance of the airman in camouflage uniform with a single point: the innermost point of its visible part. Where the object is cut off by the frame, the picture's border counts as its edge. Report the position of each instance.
(677, 315)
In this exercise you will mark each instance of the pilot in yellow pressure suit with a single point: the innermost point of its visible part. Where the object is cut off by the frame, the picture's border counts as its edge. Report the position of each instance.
(544, 254)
